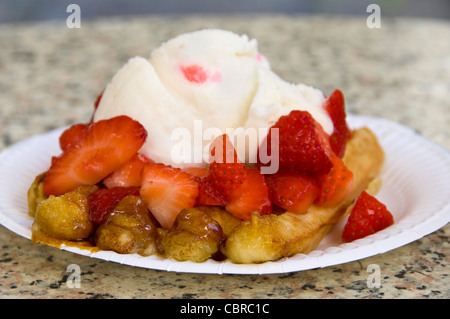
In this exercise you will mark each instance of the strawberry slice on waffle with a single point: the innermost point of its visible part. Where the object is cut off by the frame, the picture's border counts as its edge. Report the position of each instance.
(103, 147)
(292, 191)
(167, 191)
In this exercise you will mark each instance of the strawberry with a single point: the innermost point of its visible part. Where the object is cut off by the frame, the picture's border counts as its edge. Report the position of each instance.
(291, 191)
(72, 136)
(103, 200)
(99, 98)
(251, 196)
(226, 173)
(167, 191)
(96, 103)
(199, 172)
(335, 106)
(105, 146)
(368, 216)
(335, 186)
(303, 145)
(222, 150)
(128, 174)
(208, 195)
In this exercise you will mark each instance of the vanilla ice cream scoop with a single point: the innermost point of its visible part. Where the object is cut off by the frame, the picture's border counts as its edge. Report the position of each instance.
(213, 71)
(200, 85)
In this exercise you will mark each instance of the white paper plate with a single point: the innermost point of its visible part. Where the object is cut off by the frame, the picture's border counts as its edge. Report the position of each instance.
(416, 189)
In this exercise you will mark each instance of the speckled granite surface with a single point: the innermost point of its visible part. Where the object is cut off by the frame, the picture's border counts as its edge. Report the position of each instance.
(50, 75)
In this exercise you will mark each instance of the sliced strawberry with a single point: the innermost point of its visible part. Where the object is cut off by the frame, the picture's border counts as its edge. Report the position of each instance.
(128, 174)
(96, 103)
(222, 150)
(208, 195)
(167, 191)
(251, 196)
(197, 171)
(336, 186)
(226, 172)
(368, 216)
(103, 201)
(99, 98)
(335, 106)
(302, 147)
(291, 191)
(72, 136)
(105, 147)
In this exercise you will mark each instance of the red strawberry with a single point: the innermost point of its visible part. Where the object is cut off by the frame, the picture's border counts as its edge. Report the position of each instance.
(167, 191)
(251, 196)
(102, 201)
(72, 136)
(291, 191)
(335, 186)
(128, 174)
(99, 98)
(335, 106)
(222, 150)
(197, 171)
(368, 216)
(105, 147)
(303, 146)
(96, 103)
(208, 196)
(226, 173)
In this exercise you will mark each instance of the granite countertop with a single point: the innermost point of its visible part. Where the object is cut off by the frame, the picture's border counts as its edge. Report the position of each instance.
(50, 75)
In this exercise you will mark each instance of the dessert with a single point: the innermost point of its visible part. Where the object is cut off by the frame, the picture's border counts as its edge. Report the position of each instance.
(202, 152)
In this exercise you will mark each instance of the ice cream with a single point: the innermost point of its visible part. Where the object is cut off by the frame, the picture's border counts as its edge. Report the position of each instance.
(199, 85)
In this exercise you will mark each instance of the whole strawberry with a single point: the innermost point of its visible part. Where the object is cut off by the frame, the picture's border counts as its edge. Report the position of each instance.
(368, 216)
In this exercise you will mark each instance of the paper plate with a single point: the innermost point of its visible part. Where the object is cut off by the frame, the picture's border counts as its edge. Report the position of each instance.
(416, 189)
